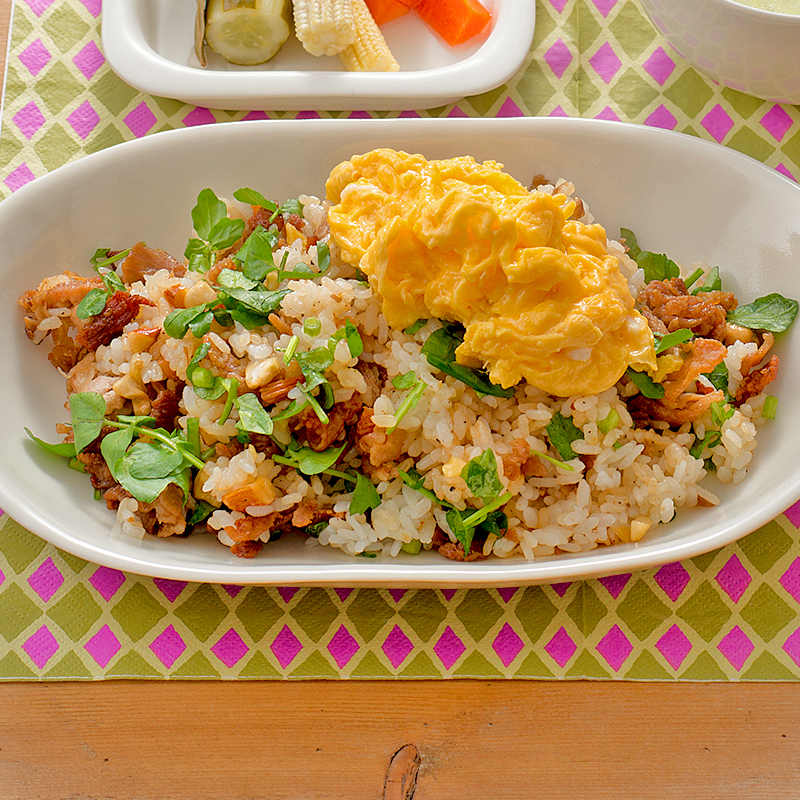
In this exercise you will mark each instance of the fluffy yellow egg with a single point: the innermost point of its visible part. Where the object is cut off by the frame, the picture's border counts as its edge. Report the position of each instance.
(540, 296)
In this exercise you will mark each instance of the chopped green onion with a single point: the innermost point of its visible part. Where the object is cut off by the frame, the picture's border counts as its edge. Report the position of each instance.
(770, 407)
(193, 434)
(291, 349)
(413, 547)
(410, 401)
(610, 422)
(561, 464)
(312, 326)
(233, 386)
(698, 273)
(415, 327)
(203, 378)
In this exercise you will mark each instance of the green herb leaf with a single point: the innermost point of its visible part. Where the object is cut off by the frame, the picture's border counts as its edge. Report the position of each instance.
(416, 327)
(225, 233)
(323, 257)
(203, 510)
(178, 322)
(718, 377)
(646, 385)
(656, 266)
(152, 460)
(88, 410)
(712, 283)
(562, 432)
(309, 461)
(671, 339)
(259, 301)
(413, 479)
(254, 198)
(481, 476)
(208, 211)
(252, 416)
(405, 381)
(61, 449)
(773, 313)
(463, 533)
(93, 303)
(365, 496)
(291, 206)
(256, 256)
(630, 242)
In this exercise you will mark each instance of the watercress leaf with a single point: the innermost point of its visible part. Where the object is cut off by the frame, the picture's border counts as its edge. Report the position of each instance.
(353, 338)
(256, 256)
(562, 432)
(201, 325)
(316, 360)
(630, 242)
(309, 461)
(656, 266)
(202, 511)
(295, 407)
(113, 282)
(245, 318)
(114, 446)
(208, 211)
(413, 479)
(258, 301)
(88, 410)
(233, 279)
(151, 459)
(480, 475)
(254, 198)
(416, 327)
(62, 449)
(93, 303)
(671, 339)
(198, 254)
(365, 496)
(495, 523)
(291, 206)
(712, 283)
(323, 257)
(252, 416)
(773, 312)
(463, 533)
(719, 378)
(226, 232)
(177, 322)
(646, 385)
(405, 381)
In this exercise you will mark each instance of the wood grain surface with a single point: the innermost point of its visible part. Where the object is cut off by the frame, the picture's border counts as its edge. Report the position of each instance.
(444, 740)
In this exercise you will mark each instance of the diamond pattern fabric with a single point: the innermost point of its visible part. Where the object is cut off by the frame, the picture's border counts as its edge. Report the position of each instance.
(724, 616)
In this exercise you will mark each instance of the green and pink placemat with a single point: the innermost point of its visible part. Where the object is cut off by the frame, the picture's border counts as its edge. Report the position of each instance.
(729, 615)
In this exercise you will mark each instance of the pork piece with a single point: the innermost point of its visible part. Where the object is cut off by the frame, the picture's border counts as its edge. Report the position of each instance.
(169, 512)
(143, 260)
(164, 408)
(756, 381)
(375, 378)
(247, 549)
(689, 407)
(378, 449)
(99, 473)
(277, 390)
(66, 352)
(521, 462)
(58, 291)
(704, 355)
(226, 363)
(670, 303)
(751, 361)
(320, 436)
(455, 550)
(120, 309)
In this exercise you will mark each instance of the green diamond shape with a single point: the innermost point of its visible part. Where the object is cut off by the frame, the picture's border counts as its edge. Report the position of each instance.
(57, 87)
(424, 612)
(202, 612)
(582, 27)
(632, 93)
(56, 147)
(535, 612)
(545, 25)
(168, 105)
(369, 612)
(482, 103)
(641, 610)
(533, 667)
(690, 93)
(22, 26)
(109, 135)
(315, 666)
(586, 609)
(75, 612)
(258, 612)
(632, 30)
(19, 611)
(587, 666)
(196, 666)
(703, 562)
(767, 668)
(421, 667)
(112, 92)
(791, 149)
(370, 667)
(15, 85)
(750, 143)
(476, 665)
(646, 668)
(137, 612)
(535, 88)
(315, 613)
(132, 665)
(766, 613)
(65, 27)
(705, 611)
(73, 562)
(18, 545)
(586, 93)
(69, 667)
(12, 666)
(743, 104)
(259, 667)
(704, 668)
(766, 546)
(479, 611)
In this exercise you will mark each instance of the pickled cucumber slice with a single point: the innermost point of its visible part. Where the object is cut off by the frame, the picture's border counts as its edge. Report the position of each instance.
(247, 31)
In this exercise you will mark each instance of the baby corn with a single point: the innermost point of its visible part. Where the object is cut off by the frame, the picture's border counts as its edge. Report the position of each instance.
(369, 51)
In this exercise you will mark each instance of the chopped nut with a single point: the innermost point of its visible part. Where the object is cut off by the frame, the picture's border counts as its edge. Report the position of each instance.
(639, 527)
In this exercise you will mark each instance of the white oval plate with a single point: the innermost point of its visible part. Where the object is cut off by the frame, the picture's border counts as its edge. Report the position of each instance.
(688, 198)
(150, 45)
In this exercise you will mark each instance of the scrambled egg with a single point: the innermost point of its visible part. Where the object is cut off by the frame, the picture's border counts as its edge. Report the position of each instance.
(539, 294)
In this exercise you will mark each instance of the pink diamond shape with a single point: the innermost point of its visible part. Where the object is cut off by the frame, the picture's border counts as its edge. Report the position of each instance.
(674, 646)
(88, 60)
(659, 66)
(558, 111)
(558, 58)
(456, 111)
(103, 646)
(231, 589)
(792, 647)
(230, 648)
(35, 57)
(507, 592)
(604, 6)
(510, 109)
(47, 580)
(397, 594)
(307, 115)
(29, 119)
(560, 588)
(199, 116)
(615, 648)
(561, 647)
(287, 592)
(168, 646)
(793, 512)
(107, 581)
(608, 113)
(605, 62)
(256, 115)
(170, 589)
(790, 580)
(19, 177)
(39, 6)
(777, 121)
(717, 122)
(358, 115)
(449, 648)
(2, 577)
(285, 647)
(662, 117)
(558, 5)
(614, 584)
(342, 646)
(734, 578)
(448, 594)
(397, 646)
(507, 644)
(736, 647)
(343, 594)
(140, 120)
(784, 170)
(40, 646)
(673, 579)
(93, 7)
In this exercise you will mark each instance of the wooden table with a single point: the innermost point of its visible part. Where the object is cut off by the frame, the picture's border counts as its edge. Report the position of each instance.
(157, 740)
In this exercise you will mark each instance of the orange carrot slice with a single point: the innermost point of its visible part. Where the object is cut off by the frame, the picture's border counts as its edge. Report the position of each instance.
(384, 11)
(455, 21)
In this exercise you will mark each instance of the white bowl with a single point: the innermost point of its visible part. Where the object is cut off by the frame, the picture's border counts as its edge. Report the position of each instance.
(753, 51)
(683, 196)
(150, 45)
